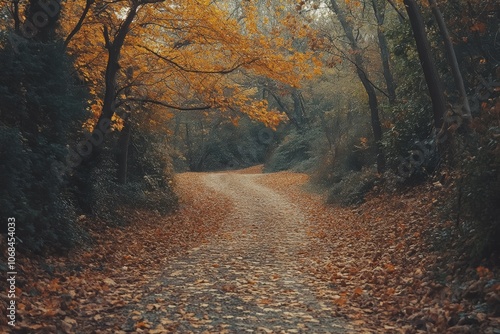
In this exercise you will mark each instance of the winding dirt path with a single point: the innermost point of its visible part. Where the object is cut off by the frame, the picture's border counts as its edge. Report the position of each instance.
(248, 278)
(257, 253)
(231, 259)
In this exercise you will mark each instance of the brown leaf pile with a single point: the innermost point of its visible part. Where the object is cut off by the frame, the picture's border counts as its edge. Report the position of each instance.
(391, 262)
(385, 259)
(90, 288)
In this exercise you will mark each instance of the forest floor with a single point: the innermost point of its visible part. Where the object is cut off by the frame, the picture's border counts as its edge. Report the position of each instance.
(252, 252)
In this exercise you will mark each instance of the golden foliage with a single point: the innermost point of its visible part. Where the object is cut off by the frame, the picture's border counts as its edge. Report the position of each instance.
(188, 54)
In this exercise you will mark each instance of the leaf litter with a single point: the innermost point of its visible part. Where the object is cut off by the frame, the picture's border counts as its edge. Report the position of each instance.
(391, 268)
(258, 253)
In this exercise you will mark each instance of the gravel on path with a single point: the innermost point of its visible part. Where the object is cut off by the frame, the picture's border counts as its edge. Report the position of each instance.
(248, 278)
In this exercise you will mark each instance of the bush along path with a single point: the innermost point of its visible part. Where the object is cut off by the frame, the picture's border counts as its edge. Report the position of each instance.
(256, 253)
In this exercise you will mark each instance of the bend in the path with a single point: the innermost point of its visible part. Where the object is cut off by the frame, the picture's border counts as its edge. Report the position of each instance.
(265, 223)
(248, 279)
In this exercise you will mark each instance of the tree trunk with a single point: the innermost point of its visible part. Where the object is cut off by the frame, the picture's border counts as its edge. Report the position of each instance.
(15, 15)
(363, 77)
(384, 54)
(114, 49)
(384, 51)
(452, 58)
(123, 146)
(190, 149)
(298, 110)
(112, 67)
(283, 108)
(431, 74)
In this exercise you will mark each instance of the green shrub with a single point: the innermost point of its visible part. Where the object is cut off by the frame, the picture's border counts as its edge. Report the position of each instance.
(218, 144)
(151, 172)
(476, 202)
(41, 108)
(350, 151)
(294, 151)
(352, 188)
(149, 183)
(409, 120)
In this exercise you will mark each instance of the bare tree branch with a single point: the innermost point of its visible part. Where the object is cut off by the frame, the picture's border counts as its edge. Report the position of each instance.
(167, 105)
(79, 24)
(185, 69)
(401, 15)
(359, 68)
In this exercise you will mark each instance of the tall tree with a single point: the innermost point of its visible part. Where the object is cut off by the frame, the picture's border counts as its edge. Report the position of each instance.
(452, 58)
(182, 55)
(431, 74)
(379, 11)
(114, 48)
(362, 73)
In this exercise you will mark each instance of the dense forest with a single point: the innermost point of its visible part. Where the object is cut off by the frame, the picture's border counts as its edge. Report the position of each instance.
(104, 103)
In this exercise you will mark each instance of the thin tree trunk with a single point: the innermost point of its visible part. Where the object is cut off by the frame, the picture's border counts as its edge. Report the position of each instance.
(384, 54)
(200, 160)
(384, 51)
(297, 107)
(177, 131)
(189, 147)
(431, 74)
(452, 58)
(283, 108)
(15, 15)
(114, 49)
(363, 77)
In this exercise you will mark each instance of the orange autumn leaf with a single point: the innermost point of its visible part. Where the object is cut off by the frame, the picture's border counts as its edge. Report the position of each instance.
(482, 271)
(341, 301)
(389, 267)
(142, 325)
(478, 27)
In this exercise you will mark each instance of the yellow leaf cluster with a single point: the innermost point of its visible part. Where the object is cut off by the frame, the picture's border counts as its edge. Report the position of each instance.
(190, 53)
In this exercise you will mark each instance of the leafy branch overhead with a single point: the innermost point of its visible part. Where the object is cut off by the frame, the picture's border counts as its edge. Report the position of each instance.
(193, 47)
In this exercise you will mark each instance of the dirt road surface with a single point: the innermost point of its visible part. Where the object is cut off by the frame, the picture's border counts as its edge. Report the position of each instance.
(248, 278)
